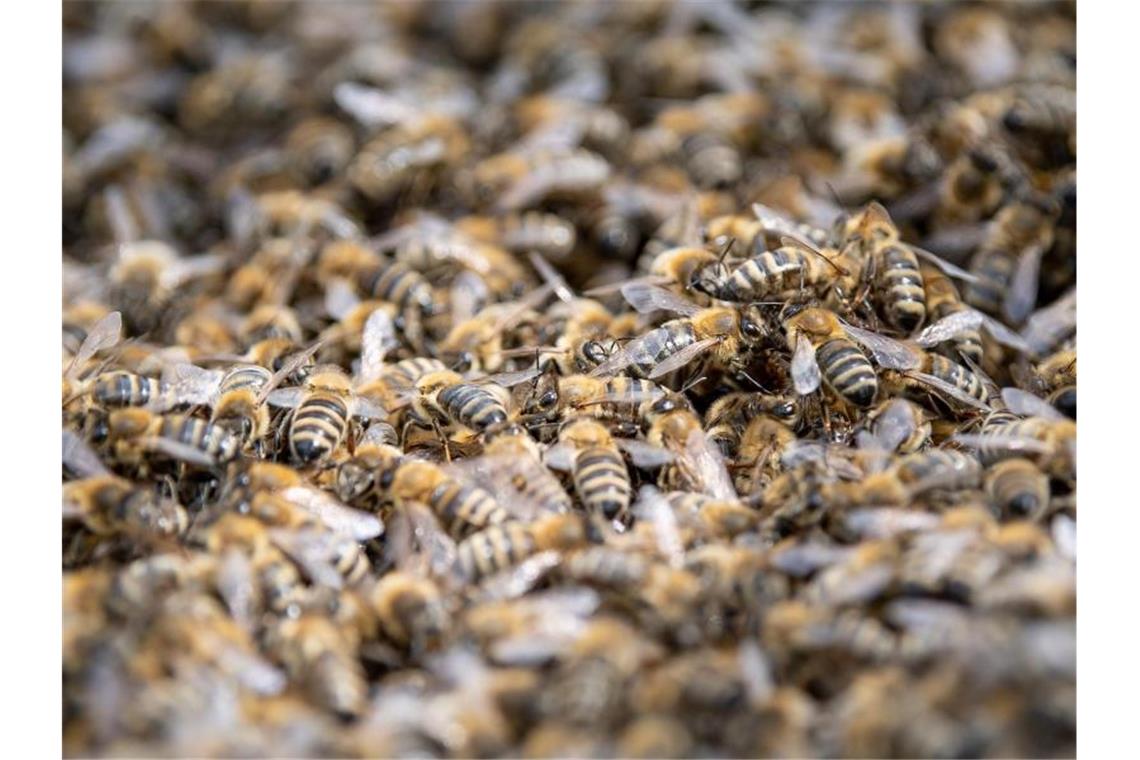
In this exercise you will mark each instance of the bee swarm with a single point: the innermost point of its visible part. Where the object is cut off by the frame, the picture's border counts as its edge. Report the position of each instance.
(604, 380)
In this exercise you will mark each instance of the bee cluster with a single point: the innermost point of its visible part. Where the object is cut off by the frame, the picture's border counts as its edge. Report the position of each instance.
(633, 379)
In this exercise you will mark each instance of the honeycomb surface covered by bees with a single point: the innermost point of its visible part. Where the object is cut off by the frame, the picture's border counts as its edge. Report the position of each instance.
(476, 379)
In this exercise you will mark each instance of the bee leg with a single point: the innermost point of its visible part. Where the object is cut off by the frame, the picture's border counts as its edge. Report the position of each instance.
(446, 444)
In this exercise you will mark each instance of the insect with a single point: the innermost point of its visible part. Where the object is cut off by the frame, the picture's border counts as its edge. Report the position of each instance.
(697, 464)
(601, 479)
(498, 547)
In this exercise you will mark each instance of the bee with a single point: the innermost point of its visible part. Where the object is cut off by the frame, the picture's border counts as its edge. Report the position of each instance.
(317, 656)
(531, 173)
(445, 396)
(511, 467)
(1017, 489)
(146, 276)
(600, 477)
(712, 517)
(821, 347)
(971, 188)
(943, 469)
(757, 457)
(724, 333)
(551, 236)
(407, 157)
(322, 411)
(729, 415)
(134, 431)
(1055, 378)
(410, 610)
(234, 396)
(1006, 264)
(320, 148)
(1046, 437)
(948, 378)
(942, 301)
(612, 400)
(499, 547)
(898, 425)
(697, 465)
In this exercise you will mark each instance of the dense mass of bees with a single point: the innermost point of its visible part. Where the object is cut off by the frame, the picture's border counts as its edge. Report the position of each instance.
(476, 379)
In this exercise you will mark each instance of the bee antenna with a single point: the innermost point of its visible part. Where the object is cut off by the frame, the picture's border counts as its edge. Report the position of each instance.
(691, 383)
(753, 381)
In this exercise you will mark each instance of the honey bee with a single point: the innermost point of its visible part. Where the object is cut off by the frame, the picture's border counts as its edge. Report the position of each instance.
(1045, 436)
(950, 379)
(133, 432)
(533, 172)
(601, 479)
(234, 396)
(1007, 262)
(971, 188)
(728, 416)
(612, 400)
(943, 301)
(410, 610)
(897, 425)
(499, 547)
(924, 471)
(146, 276)
(1054, 377)
(315, 653)
(1017, 488)
(723, 333)
(445, 396)
(407, 157)
(511, 467)
(551, 236)
(320, 148)
(821, 347)
(697, 464)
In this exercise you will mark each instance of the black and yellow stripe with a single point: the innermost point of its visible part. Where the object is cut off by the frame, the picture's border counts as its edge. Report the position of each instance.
(470, 405)
(465, 509)
(659, 344)
(848, 372)
(398, 284)
(318, 426)
(904, 297)
(121, 388)
(212, 440)
(602, 482)
(994, 270)
(251, 377)
(494, 549)
(943, 467)
(958, 376)
(404, 373)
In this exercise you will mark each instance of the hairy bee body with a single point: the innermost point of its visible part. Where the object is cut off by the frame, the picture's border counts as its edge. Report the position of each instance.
(318, 426)
(404, 374)
(212, 440)
(410, 609)
(939, 468)
(1017, 488)
(955, 374)
(769, 273)
(399, 284)
(472, 406)
(109, 504)
(848, 372)
(121, 388)
(600, 476)
(903, 296)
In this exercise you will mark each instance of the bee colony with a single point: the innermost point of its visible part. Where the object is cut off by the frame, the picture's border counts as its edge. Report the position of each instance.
(600, 380)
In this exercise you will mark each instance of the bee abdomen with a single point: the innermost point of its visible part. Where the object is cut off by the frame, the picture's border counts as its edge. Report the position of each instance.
(465, 509)
(848, 371)
(318, 426)
(251, 378)
(994, 270)
(204, 436)
(399, 284)
(494, 549)
(658, 345)
(602, 481)
(405, 373)
(120, 388)
(472, 406)
(958, 376)
(906, 296)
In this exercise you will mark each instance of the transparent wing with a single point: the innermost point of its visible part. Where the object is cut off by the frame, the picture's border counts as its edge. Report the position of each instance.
(803, 558)
(1013, 443)
(887, 352)
(654, 509)
(796, 241)
(1022, 294)
(104, 334)
(1004, 335)
(894, 424)
(950, 270)
(1051, 324)
(469, 294)
(314, 552)
(334, 514)
(682, 357)
(372, 107)
(551, 276)
(1027, 405)
(288, 368)
(436, 547)
(515, 481)
(236, 585)
(634, 352)
(79, 457)
(510, 379)
(377, 339)
(123, 226)
(287, 397)
(340, 298)
(947, 389)
(517, 581)
(647, 298)
(368, 409)
(709, 466)
(560, 456)
(614, 287)
(805, 369)
(188, 384)
(884, 522)
(185, 269)
(179, 451)
(949, 327)
(645, 455)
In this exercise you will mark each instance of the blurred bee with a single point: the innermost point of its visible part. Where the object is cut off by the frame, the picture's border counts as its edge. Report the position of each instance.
(1006, 264)
(971, 189)
(320, 148)
(712, 518)
(724, 333)
(146, 276)
(317, 656)
(1017, 489)
(410, 610)
(938, 469)
(1055, 378)
(134, 432)
(899, 426)
(408, 157)
(254, 88)
(502, 546)
(942, 301)
(549, 235)
(697, 464)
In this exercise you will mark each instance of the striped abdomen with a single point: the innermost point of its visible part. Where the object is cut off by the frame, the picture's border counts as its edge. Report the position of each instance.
(939, 468)
(120, 388)
(659, 344)
(625, 395)
(465, 509)
(994, 270)
(350, 561)
(404, 374)
(494, 549)
(968, 342)
(548, 234)
(602, 482)
(470, 405)
(252, 378)
(1017, 488)
(318, 426)
(760, 276)
(848, 372)
(398, 284)
(904, 298)
(958, 376)
(212, 440)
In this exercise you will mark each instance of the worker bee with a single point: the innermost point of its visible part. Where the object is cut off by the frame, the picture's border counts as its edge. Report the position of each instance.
(407, 157)
(146, 276)
(446, 397)
(1055, 378)
(533, 172)
(613, 400)
(549, 235)
(729, 415)
(724, 333)
(1045, 436)
(943, 301)
(499, 547)
(133, 432)
(320, 148)
(1017, 488)
(511, 467)
(315, 653)
(410, 610)
(1006, 264)
(898, 425)
(601, 479)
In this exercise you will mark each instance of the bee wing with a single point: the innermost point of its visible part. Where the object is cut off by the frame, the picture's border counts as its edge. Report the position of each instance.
(180, 451)
(652, 507)
(510, 379)
(949, 390)
(368, 409)
(885, 522)
(377, 339)
(312, 550)
(629, 397)
(518, 580)
(950, 270)
(708, 463)
(805, 369)
(647, 298)
(1013, 443)
(372, 107)
(1022, 294)
(551, 277)
(801, 559)
(949, 327)
(469, 294)
(894, 425)
(507, 477)
(340, 298)
(645, 455)
(1049, 325)
(334, 514)
(192, 267)
(287, 397)
(682, 357)
(560, 456)
(439, 548)
(1027, 405)
(79, 457)
(123, 226)
(106, 333)
(188, 384)
(236, 584)
(614, 287)
(288, 368)
(1004, 335)
(887, 352)
(633, 352)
